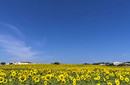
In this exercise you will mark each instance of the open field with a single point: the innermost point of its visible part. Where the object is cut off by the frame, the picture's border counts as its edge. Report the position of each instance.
(69, 74)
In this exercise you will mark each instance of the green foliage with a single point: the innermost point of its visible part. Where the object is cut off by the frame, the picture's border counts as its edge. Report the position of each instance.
(122, 64)
(110, 64)
(95, 63)
(86, 64)
(2, 63)
(57, 63)
(10, 63)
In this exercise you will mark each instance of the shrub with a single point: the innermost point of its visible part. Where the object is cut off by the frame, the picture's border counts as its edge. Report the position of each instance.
(111, 64)
(86, 64)
(57, 63)
(2, 63)
(122, 64)
(10, 63)
(95, 63)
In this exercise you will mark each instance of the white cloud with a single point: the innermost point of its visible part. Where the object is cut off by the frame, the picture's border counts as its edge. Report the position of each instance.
(13, 28)
(16, 47)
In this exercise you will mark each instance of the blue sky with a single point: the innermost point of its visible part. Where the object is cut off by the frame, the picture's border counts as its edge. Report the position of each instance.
(68, 31)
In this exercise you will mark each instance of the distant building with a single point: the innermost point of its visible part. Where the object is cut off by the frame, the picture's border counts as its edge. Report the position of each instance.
(7, 63)
(117, 63)
(25, 62)
(19, 63)
(101, 64)
(14, 63)
(127, 63)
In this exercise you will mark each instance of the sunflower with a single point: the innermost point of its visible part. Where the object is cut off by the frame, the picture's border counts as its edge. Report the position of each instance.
(88, 76)
(43, 77)
(48, 77)
(121, 77)
(22, 78)
(11, 76)
(45, 82)
(117, 82)
(33, 73)
(73, 72)
(63, 81)
(36, 79)
(74, 83)
(107, 77)
(13, 73)
(127, 79)
(78, 78)
(1, 79)
(74, 80)
(61, 77)
(97, 78)
(104, 79)
(5, 81)
(109, 83)
(29, 75)
(10, 80)
(82, 76)
(2, 74)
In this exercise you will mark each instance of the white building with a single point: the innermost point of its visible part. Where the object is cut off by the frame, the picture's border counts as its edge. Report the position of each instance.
(117, 63)
(127, 63)
(101, 64)
(19, 63)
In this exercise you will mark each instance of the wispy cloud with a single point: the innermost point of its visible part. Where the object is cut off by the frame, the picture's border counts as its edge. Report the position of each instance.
(13, 28)
(15, 46)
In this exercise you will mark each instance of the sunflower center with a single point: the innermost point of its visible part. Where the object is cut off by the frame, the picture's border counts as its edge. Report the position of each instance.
(1, 79)
(22, 78)
(36, 78)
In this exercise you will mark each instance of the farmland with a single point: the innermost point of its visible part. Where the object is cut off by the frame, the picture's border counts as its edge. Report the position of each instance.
(67, 74)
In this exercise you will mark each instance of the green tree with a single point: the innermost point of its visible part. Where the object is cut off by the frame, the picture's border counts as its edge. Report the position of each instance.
(2, 63)
(57, 63)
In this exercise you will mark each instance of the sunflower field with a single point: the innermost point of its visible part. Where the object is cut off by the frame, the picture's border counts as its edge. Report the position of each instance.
(66, 74)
